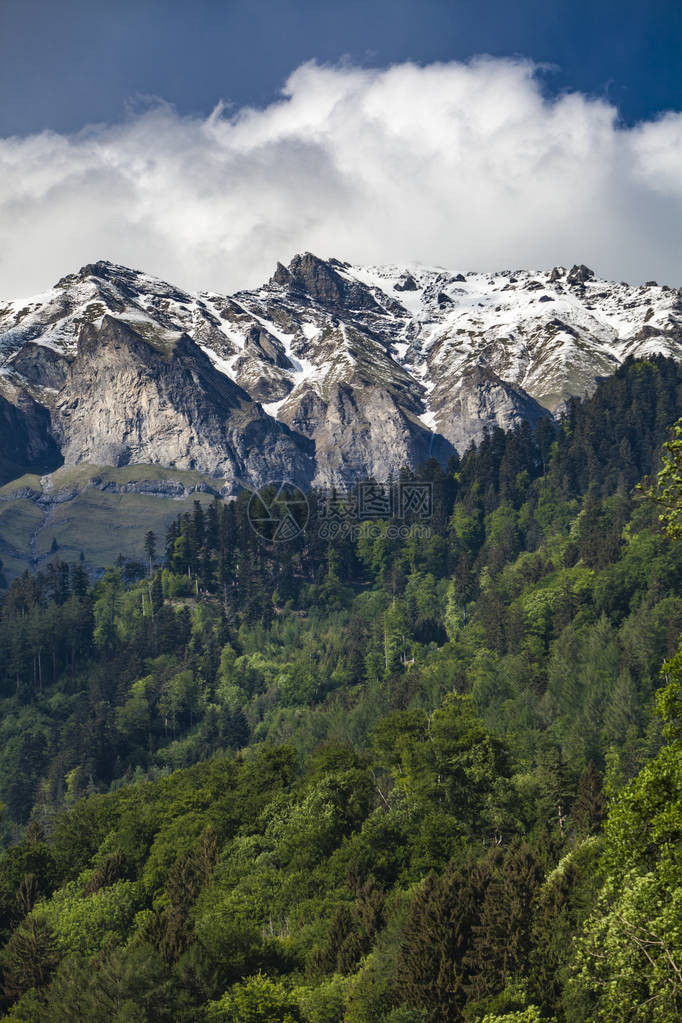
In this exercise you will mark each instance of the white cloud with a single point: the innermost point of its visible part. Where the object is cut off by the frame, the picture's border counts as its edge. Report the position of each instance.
(465, 165)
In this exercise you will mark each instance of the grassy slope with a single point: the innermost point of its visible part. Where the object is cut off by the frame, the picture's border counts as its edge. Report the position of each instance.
(100, 523)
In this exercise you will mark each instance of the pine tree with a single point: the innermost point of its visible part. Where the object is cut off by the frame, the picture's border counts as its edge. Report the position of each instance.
(150, 549)
(589, 805)
(432, 973)
(30, 957)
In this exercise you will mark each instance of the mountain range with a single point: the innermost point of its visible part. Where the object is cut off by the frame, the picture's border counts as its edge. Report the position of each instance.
(325, 373)
(124, 399)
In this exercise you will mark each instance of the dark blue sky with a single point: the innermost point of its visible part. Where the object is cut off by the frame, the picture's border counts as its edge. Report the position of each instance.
(66, 63)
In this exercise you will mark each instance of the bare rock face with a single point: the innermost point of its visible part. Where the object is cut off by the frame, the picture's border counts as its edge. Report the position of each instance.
(318, 280)
(126, 401)
(40, 367)
(579, 274)
(480, 402)
(324, 373)
(258, 370)
(362, 431)
(260, 344)
(27, 443)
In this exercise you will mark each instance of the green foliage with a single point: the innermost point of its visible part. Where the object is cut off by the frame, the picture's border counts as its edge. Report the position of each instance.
(384, 778)
(324, 1003)
(29, 958)
(256, 1000)
(84, 923)
(127, 987)
(667, 488)
(627, 963)
(529, 1015)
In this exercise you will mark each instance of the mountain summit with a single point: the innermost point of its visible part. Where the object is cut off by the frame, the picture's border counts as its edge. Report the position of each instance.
(326, 372)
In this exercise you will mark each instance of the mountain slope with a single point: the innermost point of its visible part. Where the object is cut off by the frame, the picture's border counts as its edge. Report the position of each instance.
(326, 372)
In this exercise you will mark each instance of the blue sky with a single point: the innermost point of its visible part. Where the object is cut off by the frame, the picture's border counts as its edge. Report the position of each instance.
(205, 141)
(65, 63)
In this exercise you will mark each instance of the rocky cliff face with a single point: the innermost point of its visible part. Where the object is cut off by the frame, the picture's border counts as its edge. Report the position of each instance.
(326, 372)
(126, 400)
(26, 444)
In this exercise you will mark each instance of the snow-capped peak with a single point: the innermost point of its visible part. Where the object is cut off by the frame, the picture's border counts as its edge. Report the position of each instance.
(453, 351)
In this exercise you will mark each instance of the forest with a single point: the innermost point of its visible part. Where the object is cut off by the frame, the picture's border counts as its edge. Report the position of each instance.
(423, 767)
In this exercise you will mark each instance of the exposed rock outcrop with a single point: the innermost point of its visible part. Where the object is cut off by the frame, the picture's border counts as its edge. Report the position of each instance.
(126, 400)
(324, 373)
(27, 444)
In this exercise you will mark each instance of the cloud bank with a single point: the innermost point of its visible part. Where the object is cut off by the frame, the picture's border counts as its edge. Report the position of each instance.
(468, 165)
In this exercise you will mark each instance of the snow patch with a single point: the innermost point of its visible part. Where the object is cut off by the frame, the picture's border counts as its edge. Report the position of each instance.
(429, 420)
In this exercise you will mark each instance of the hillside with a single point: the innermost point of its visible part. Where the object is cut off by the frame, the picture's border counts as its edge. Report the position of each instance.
(97, 514)
(410, 770)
